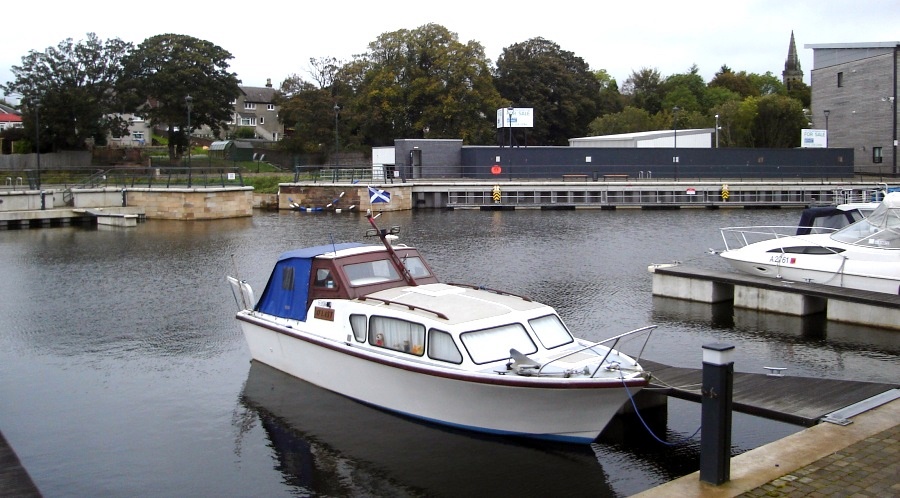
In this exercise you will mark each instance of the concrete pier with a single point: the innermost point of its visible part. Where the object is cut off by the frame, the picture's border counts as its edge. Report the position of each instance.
(14, 479)
(840, 304)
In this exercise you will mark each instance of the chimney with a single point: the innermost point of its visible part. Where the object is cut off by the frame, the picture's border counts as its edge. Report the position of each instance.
(268, 82)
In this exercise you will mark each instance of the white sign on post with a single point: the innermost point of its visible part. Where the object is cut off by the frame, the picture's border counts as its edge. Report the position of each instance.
(813, 139)
(520, 117)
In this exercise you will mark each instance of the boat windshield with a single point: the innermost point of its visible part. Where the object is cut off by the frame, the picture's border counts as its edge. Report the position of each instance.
(371, 272)
(881, 229)
(550, 331)
(493, 344)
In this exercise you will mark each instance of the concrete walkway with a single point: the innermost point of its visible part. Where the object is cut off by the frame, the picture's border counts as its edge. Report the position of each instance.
(827, 460)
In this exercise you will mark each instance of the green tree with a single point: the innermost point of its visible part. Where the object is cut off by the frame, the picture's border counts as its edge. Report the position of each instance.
(738, 83)
(686, 90)
(73, 85)
(630, 120)
(802, 92)
(421, 83)
(611, 101)
(308, 112)
(766, 84)
(645, 90)
(165, 69)
(779, 120)
(559, 86)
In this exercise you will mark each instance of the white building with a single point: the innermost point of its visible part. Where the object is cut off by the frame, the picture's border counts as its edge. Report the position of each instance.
(701, 138)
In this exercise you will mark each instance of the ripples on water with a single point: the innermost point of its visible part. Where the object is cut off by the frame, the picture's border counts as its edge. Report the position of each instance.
(122, 362)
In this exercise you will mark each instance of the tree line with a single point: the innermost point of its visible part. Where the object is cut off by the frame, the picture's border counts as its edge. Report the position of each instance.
(419, 83)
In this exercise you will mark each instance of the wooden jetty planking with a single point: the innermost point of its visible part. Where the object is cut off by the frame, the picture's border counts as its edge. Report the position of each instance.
(797, 400)
(14, 480)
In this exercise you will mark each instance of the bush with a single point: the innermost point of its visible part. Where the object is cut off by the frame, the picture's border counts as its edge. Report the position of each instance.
(266, 184)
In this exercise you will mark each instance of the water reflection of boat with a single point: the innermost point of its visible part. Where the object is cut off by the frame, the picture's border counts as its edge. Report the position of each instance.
(864, 255)
(374, 324)
(327, 444)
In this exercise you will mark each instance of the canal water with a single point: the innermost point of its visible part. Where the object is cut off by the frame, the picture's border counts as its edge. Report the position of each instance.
(124, 373)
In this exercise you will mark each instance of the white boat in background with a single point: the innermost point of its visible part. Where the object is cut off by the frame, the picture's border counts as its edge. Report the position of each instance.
(373, 323)
(864, 255)
(828, 218)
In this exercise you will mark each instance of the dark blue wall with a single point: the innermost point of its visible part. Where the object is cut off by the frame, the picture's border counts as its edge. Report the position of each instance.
(553, 162)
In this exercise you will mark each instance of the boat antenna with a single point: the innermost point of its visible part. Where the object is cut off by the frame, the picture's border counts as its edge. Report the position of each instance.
(395, 259)
(333, 247)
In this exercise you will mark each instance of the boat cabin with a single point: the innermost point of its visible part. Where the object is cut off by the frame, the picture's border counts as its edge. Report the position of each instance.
(338, 271)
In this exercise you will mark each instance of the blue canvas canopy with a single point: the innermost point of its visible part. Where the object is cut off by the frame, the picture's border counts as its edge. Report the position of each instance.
(288, 288)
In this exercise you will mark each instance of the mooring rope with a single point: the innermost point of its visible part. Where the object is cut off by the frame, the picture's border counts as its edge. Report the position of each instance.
(644, 423)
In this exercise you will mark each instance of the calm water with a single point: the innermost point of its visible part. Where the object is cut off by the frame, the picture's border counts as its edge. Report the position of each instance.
(123, 372)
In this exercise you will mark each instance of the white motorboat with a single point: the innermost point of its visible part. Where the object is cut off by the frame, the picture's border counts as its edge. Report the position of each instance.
(864, 255)
(373, 323)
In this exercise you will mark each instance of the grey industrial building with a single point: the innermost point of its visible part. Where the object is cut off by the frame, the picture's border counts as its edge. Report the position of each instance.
(854, 98)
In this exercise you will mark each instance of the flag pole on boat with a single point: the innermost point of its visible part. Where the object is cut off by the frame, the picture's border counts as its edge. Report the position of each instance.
(382, 234)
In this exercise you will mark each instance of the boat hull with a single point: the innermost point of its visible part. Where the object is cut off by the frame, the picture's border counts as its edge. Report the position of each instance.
(547, 408)
(857, 268)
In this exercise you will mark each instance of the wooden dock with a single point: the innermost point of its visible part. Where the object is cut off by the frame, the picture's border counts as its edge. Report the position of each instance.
(875, 309)
(14, 480)
(796, 400)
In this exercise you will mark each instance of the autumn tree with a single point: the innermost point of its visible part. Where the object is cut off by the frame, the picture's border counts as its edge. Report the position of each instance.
(165, 69)
(70, 90)
(558, 85)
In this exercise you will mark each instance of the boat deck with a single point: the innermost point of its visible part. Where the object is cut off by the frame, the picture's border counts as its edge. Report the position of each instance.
(797, 400)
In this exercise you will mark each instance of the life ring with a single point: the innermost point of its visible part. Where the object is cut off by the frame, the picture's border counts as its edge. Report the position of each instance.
(496, 170)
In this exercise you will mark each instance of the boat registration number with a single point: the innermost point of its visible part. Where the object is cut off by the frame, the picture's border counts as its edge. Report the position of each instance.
(782, 260)
(324, 314)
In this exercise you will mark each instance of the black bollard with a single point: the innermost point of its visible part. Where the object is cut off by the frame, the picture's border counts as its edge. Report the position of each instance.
(715, 420)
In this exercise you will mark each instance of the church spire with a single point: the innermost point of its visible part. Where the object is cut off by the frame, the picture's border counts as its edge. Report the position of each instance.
(792, 71)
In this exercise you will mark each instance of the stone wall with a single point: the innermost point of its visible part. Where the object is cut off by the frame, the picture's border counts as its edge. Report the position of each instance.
(317, 195)
(193, 203)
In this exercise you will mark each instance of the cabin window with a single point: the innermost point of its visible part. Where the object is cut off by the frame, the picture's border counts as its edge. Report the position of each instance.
(416, 267)
(325, 279)
(441, 347)
(807, 250)
(371, 272)
(550, 331)
(493, 344)
(396, 334)
(358, 324)
(287, 278)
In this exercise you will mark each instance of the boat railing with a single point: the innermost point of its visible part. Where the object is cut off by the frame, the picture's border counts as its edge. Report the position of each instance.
(737, 237)
(610, 348)
(487, 289)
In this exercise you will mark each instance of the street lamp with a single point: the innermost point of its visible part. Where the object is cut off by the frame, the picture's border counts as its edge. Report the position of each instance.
(675, 139)
(337, 109)
(510, 111)
(189, 102)
(37, 140)
(717, 131)
(827, 112)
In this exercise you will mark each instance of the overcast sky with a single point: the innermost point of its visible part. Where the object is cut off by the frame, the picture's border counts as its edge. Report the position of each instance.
(276, 39)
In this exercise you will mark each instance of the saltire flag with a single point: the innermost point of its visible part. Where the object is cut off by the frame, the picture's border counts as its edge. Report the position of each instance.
(378, 195)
